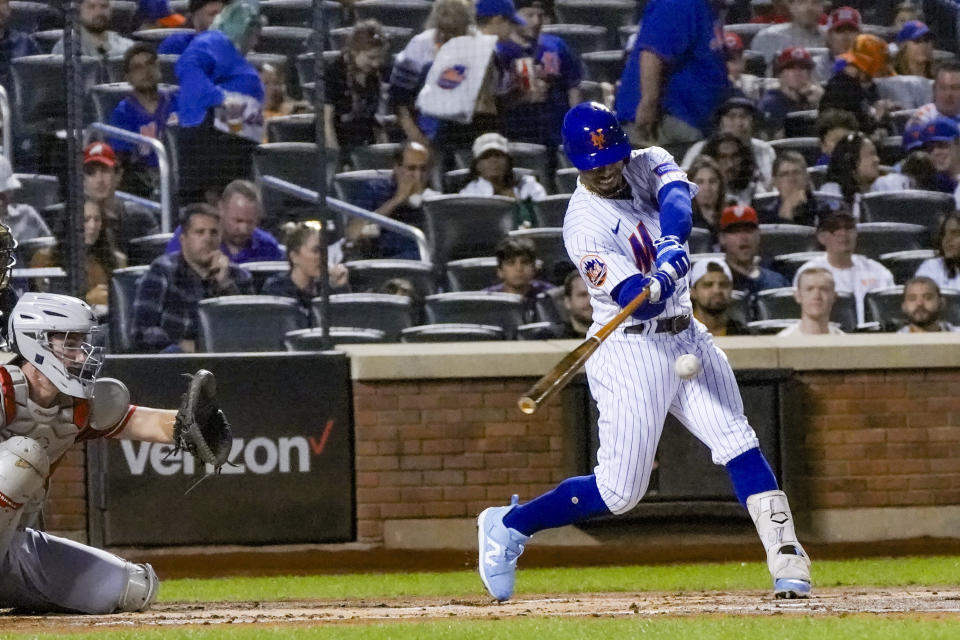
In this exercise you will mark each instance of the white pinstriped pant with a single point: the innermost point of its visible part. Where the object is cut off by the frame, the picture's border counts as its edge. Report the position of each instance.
(633, 382)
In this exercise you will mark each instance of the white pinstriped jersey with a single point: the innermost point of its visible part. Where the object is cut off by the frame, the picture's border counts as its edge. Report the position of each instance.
(611, 240)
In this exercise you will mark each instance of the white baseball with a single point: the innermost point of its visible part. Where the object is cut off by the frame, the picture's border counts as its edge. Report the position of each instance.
(687, 366)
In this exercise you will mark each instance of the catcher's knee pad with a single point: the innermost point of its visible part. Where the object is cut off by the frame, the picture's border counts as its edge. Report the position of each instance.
(24, 466)
(141, 588)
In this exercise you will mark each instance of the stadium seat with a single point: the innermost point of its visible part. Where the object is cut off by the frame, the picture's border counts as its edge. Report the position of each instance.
(891, 150)
(305, 64)
(263, 271)
(592, 91)
(763, 200)
(123, 291)
(299, 13)
(247, 323)
(624, 34)
(384, 312)
(899, 119)
(808, 147)
(466, 226)
(370, 275)
(746, 31)
(312, 339)
(300, 127)
(472, 274)
(550, 211)
(903, 264)
(156, 36)
(39, 103)
(610, 14)
(122, 16)
(349, 185)
(550, 307)
(451, 332)
(285, 41)
(877, 238)
(832, 200)
(582, 38)
(294, 162)
(770, 327)
(603, 66)
(146, 249)
(700, 240)
(801, 124)
(397, 38)
(777, 304)
(31, 16)
(741, 307)
(566, 180)
(375, 156)
(26, 248)
(844, 312)
(940, 55)
(38, 191)
(524, 154)
(503, 310)
(925, 208)
(550, 251)
(788, 263)
(777, 239)
(411, 14)
(106, 97)
(818, 175)
(537, 331)
(47, 39)
(754, 63)
(457, 179)
(883, 306)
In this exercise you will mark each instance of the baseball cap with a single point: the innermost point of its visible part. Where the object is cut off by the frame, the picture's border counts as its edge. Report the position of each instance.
(941, 129)
(489, 142)
(700, 268)
(738, 102)
(792, 57)
(159, 11)
(733, 42)
(738, 215)
(99, 152)
(844, 17)
(913, 30)
(8, 181)
(913, 136)
(869, 54)
(839, 219)
(505, 8)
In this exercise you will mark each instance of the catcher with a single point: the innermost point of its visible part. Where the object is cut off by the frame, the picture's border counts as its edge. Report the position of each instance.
(50, 398)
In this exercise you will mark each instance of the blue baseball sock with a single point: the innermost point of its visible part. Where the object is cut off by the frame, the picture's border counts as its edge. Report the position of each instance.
(573, 500)
(751, 474)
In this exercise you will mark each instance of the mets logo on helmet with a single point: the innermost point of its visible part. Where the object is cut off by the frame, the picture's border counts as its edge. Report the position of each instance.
(597, 139)
(452, 77)
(594, 268)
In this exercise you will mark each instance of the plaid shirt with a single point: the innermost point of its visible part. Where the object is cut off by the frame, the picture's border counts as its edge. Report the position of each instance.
(165, 308)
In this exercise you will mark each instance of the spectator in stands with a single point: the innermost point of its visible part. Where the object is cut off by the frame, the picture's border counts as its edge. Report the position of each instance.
(916, 172)
(96, 39)
(769, 11)
(399, 197)
(744, 85)
(102, 175)
(576, 300)
(843, 27)
(914, 50)
(517, 271)
(220, 105)
(740, 241)
(793, 67)
(945, 269)
(165, 305)
(157, 14)
(739, 117)
(491, 174)
(711, 292)
(448, 19)
(854, 166)
(353, 88)
(852, 87)
(946, 95)
(712, 196)
(852, 272)
(941, 139)
(24, 221)
(276, 99)
(907, 11)
(923, 305)
(302, 282)
(145, 112)
(802, 30)
(816, 294)
(202, 13)
(102, 258)
(539, 100)
(833, 125)
(795, 203)
(240, 212)
(675, 75)
(13, 44)
(737, 163)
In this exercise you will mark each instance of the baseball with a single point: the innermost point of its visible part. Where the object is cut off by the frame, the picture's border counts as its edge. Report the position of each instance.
(687, 366)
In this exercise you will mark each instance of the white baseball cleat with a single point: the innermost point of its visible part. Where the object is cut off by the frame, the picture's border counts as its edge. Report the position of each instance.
(499, 547)
(791, 572)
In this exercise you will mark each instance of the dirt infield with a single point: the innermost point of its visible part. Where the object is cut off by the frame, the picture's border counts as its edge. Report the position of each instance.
(827, 602)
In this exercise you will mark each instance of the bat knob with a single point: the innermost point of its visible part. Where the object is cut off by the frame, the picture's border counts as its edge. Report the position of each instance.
(527, 405)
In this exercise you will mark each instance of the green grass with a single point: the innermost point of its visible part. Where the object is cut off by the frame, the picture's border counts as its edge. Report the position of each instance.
(714, 628)
(875, 572)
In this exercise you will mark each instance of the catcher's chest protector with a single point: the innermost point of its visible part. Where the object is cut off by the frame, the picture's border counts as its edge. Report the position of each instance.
(56, 428)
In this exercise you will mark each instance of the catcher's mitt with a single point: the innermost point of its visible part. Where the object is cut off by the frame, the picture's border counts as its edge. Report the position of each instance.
(201, 428)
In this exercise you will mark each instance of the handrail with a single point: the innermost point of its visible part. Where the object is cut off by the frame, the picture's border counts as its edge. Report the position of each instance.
(339, 206)
(7, 124)
(163, 164)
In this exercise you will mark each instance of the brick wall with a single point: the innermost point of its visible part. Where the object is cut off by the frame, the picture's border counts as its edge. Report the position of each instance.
(65, 511)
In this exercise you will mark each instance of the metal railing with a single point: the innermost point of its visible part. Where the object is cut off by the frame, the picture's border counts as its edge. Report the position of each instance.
(347, 209)
(7, 124)
(163, 164)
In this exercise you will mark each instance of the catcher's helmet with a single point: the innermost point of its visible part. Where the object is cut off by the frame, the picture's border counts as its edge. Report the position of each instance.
(592, 137)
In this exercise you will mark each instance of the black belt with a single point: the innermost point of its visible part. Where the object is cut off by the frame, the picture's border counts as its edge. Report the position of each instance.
(673, 325)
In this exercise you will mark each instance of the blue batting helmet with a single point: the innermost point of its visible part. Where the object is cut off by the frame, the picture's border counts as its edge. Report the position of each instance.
(592, 137)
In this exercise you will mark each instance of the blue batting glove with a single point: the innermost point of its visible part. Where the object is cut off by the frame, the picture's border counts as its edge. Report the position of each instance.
(664, 287)
(671, 257)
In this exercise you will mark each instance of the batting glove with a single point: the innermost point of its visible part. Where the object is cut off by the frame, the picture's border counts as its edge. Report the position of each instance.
(661, 286)
(671, 257)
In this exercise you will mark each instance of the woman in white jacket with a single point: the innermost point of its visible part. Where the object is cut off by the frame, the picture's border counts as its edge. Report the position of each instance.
(491, 174)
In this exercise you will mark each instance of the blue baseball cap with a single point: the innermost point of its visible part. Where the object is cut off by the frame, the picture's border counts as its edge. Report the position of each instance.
(913, 30)
(505, 8)
(941, 129)
(913, 136)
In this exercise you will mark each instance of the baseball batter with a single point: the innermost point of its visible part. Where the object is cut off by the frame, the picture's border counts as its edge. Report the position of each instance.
(47, 402)
(626, 228)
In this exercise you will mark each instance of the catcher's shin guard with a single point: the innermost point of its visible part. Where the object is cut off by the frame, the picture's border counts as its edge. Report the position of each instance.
(788, 562)
(24, 466)
(141, 589)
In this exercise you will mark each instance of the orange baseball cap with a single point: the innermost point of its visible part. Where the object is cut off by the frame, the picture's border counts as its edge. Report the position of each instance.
(869, 55)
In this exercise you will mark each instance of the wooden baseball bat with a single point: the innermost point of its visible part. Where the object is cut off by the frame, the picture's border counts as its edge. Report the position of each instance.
(558, 377)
